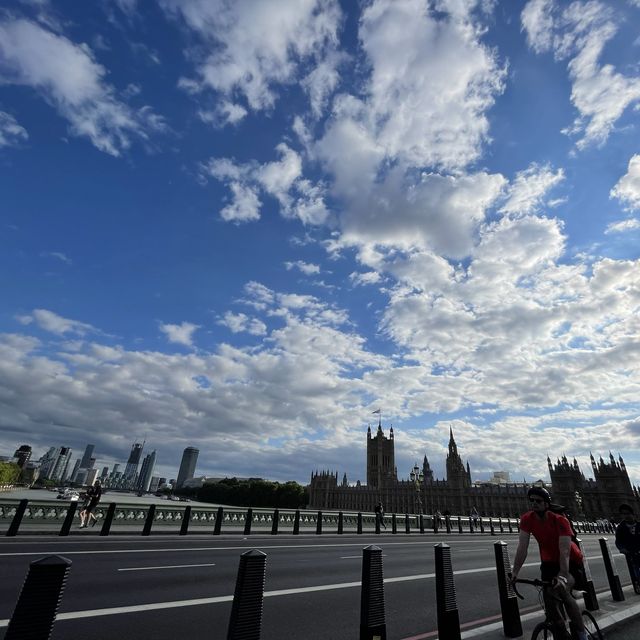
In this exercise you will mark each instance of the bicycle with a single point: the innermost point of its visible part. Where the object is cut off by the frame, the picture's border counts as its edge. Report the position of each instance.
(548, 629)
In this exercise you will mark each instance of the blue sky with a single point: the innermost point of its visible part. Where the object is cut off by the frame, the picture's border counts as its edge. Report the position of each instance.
(246, 225)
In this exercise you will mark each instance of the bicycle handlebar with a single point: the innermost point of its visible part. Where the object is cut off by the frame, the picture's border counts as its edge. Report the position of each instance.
(540, 584)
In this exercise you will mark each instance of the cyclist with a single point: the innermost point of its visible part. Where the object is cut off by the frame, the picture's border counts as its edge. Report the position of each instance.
(561, 559)
(628, 541)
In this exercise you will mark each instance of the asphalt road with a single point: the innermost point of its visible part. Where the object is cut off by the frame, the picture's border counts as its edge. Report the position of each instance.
(167, 586)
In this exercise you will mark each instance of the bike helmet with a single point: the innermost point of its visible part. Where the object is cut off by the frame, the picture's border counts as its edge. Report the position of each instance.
(541, 492)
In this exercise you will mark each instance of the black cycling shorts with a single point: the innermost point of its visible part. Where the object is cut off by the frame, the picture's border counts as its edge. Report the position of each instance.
(549, 570)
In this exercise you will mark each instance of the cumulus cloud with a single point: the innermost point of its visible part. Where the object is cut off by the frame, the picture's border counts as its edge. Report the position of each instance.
(622, 226)
(11, 133)
(240, 323)
(281, 179)
(627, 190)
(253, 48)
(579, 32)
(68, 77)
(431, 82)
(180, 333)
(54, 323)
(527, 191)
(307, 268)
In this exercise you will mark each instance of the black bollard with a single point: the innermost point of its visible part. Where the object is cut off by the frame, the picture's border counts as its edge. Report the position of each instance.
(372, 618)
(359, 529)
(296, 523)
(612, 573)
(491, 527)
(148, 523)
(481, 526)
(407, 524)
(511, 623)
(471, 525)
(246, 611)
(248, 520)
(447, 522)
(394, 523)
(319, 524)
(17, 518)
(39, 599)
(186, 518)
(459, 524)
(436, 524)
(501, 525)
(340, 523)
(217, 527)
(68, 520)
(421, 519)
(108, 519)
(274, 523)
(377, 525)
(590, 598)
(510, 525)
(447, 606)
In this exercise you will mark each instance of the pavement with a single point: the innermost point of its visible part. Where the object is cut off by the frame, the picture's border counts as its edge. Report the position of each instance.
(617, 620)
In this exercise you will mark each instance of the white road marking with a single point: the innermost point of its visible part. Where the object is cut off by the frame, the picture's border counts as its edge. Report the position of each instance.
(170, 566)
(384, 555)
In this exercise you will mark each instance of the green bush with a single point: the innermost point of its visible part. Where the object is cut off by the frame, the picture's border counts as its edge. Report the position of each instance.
(254, 493)
(9, 472)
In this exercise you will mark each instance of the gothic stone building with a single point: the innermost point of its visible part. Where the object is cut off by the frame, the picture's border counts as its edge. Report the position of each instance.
(457, 494)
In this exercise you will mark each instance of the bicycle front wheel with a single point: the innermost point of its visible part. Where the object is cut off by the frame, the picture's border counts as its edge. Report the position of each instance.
(543, 631)
(590, 624)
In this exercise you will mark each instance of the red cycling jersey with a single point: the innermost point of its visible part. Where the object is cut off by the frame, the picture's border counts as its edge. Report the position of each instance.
(547, 532)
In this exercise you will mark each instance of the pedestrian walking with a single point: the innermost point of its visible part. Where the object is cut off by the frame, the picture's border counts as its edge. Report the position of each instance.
(379, 510)
(91, 499)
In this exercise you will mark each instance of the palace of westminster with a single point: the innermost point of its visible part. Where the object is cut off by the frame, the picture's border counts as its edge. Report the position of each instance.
(457, 494)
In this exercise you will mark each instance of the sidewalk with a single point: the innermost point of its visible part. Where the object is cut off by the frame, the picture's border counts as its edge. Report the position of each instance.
(617, 620)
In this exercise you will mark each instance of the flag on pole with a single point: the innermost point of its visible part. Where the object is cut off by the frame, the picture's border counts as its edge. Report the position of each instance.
(376, 411)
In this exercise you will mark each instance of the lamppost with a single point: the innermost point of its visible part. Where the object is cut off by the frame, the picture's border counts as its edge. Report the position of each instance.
(417, 477)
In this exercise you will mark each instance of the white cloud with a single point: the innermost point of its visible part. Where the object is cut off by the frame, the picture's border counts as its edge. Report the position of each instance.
(254, 47)
(52, 322)
(526, 193)
(431, 82)
(180, 333)
(11, 133)
(580, 32)
(305, 267)
(369, 277)
(245, 205)
(281, 179)
(68, 77)
(627, 190)
(240, 323)
(622, 226)
(58, 255)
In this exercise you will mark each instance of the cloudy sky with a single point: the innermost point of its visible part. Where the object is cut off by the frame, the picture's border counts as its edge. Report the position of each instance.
(245, 226)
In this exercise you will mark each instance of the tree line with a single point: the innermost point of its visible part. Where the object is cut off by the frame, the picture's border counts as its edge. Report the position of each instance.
(253, 492)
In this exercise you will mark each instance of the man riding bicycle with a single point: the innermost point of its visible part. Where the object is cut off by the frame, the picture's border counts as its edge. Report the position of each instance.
(628, 541)
(561, 558)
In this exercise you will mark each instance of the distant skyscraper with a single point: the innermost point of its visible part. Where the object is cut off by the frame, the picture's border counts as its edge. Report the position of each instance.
(131, 470)
(88, 453)
(23, 454)
(187, 465)
(76, 467)
(146, 471)
(105, 473)
(91, 476)
(62, 460)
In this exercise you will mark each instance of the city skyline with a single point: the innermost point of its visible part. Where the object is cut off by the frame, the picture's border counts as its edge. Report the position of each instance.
(247, 226)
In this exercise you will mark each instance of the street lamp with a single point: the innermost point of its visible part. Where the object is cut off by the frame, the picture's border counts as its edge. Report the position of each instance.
(417, 478)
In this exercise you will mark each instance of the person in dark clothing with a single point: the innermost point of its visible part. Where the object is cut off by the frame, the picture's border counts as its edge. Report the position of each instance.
(379, 510)
(628, 541)
(91, 500)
